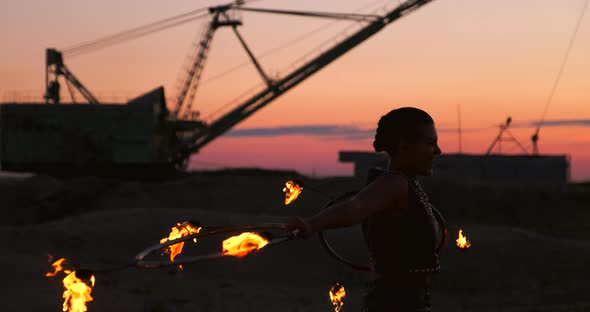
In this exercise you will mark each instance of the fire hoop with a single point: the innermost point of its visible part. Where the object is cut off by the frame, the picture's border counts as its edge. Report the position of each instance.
(142, 262)
(328, 247)
(365, 267)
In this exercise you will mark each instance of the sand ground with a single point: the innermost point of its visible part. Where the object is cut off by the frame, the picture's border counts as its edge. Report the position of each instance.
(513, 265)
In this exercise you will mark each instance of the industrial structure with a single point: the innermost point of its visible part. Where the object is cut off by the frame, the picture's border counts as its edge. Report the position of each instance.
(145, 135)
(523, 170)
(529, 169)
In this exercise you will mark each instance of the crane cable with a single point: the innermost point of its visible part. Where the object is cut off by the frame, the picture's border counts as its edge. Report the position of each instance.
(133, 33)
(140, 31)
(562, 66)
(281, 47)
(269, 52)
(349, 16)
(338, 16)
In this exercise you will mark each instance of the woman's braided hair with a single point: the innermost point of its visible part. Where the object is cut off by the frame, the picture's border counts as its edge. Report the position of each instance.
(400, 124)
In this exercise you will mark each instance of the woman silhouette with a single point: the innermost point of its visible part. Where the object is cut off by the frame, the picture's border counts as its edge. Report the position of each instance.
(398, 223)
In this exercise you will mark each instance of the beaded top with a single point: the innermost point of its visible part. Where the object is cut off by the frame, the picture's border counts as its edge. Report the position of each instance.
(421, 195)
(385, 234)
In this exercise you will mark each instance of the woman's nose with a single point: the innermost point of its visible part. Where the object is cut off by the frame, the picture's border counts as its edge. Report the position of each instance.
(437, 150)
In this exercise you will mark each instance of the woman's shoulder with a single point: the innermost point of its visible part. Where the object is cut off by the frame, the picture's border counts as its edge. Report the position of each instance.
(389, 192)
(393, 181)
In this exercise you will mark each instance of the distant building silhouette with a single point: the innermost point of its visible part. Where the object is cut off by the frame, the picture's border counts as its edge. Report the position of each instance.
(525, 170)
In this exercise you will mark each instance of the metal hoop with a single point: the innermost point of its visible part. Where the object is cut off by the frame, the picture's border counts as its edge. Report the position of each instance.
(152, 264)
(328, 247)
(443, 229)
(364, 267)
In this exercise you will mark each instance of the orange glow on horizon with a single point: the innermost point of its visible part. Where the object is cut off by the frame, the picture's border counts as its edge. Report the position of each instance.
(322, 160)
(436, 58)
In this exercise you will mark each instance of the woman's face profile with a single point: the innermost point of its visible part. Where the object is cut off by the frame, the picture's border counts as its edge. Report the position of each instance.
(418, 156)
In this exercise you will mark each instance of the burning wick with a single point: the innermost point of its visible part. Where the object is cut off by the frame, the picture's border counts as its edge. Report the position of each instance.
(56, 266)
(243, 244)
(76, 292)
(180, 230)
(337, 294)
(292, 191)
(462, 241)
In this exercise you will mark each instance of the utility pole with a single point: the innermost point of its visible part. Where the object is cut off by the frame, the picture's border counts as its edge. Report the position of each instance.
(459, 128)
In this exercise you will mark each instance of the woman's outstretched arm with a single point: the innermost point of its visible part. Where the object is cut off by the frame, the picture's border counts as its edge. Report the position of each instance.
(385, 193)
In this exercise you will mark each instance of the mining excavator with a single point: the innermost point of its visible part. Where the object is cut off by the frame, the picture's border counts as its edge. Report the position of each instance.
(144, 136)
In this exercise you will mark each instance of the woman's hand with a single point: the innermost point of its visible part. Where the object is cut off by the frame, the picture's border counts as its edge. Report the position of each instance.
(299, 227)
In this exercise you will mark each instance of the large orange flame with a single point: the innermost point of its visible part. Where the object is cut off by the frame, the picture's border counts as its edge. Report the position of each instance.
(292, 191)
(337, 294)
(462, 241)
(243, 244)
(178, 231)
(77, 293)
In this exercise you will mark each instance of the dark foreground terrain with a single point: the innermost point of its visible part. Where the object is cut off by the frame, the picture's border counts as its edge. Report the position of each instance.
(530, 248)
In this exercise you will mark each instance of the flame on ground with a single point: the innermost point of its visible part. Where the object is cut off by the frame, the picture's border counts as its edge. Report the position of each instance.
(337, 294)
(462, 241)
(292, 191)
(77, 293)
(243, 244)
(178, 231)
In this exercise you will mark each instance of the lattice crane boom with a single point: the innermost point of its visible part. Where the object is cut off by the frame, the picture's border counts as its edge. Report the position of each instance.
(203, 136)
(190, 83)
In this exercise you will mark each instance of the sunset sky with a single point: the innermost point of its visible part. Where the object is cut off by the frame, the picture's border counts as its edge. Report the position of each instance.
(493, 59)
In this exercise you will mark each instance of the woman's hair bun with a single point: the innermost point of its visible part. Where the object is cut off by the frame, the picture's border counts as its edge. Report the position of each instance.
(399, 124)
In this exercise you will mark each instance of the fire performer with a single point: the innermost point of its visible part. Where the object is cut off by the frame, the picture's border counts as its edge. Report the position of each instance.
(397, 219)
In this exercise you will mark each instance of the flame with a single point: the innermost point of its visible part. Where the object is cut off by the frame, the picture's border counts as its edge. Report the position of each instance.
(243, 244)
(57, 267)
(462, 241)
(292, 191)
(180, 230)
(77, 293)
(337, 294)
